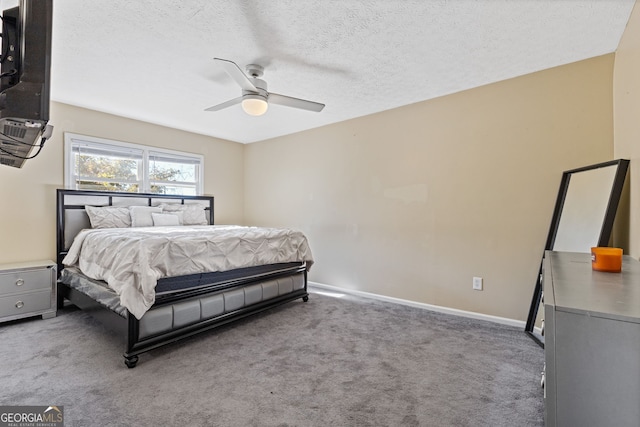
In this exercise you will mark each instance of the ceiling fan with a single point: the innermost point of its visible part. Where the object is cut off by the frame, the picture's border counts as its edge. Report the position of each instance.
(255, 99)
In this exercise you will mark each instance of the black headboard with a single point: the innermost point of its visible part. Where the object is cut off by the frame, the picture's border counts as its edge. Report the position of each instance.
(71, 216)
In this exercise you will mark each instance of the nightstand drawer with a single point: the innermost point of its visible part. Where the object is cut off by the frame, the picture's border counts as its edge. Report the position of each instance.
(12, 282)
(31, 302)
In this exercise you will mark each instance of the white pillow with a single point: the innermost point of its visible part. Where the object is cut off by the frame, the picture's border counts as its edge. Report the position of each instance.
(108, 216)
(141, 215)
(191, 214)
(165, 219)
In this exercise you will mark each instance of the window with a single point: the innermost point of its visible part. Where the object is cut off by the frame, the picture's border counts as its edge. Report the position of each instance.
(105, 165)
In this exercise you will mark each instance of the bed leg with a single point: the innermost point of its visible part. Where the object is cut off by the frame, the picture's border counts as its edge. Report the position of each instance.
(59, 297)
(131, 361)
(305, 298)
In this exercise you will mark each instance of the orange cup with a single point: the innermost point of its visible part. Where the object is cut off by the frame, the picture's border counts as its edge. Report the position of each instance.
(606, 259)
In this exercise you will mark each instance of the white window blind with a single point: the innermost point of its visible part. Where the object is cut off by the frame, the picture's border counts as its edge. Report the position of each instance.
(104, 165)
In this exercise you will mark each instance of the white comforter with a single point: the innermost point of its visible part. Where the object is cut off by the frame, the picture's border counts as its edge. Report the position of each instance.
(131, 260)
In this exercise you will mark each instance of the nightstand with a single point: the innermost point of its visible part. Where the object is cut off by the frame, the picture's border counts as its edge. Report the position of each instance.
(28, 289)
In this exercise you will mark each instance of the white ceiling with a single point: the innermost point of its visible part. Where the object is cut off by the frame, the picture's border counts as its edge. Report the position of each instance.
(152, 60)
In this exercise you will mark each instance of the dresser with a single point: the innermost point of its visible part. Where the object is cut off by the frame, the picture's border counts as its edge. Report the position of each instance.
(27, 289)
(592, 342)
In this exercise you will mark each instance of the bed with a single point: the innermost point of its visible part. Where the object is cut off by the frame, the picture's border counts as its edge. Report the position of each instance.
(156, 269)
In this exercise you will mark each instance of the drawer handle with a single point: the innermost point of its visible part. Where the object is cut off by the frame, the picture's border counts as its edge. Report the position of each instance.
(19, 304)
(19, 282)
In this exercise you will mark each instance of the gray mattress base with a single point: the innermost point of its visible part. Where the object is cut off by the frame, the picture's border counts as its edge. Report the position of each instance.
(169, 317)
(183, 313)
(173, 320)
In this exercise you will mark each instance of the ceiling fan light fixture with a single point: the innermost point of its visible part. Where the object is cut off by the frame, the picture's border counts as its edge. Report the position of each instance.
(254, 92)
(254, 105)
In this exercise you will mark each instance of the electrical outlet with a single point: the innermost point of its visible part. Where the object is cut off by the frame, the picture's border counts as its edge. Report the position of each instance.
(477, 283)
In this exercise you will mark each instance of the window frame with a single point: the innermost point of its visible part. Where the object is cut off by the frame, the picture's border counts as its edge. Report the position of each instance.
(72, 139)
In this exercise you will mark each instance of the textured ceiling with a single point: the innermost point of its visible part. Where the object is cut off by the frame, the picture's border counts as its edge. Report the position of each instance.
(152, 60)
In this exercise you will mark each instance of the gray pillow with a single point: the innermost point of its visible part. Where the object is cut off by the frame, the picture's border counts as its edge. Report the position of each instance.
(108, 216)
(191, 214)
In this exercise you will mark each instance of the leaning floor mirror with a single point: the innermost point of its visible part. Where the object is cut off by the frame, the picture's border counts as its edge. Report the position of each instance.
(582, 218)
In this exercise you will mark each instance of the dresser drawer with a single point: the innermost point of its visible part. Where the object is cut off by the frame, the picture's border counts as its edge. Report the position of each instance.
(25, 303)
(12, 282)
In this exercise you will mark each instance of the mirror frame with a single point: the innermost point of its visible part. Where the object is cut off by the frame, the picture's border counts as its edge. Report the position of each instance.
(605, 231)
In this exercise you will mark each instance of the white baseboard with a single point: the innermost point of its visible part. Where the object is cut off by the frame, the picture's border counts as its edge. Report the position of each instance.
(437, 308)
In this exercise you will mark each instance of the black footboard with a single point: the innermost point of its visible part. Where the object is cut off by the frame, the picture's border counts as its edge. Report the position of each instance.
(175, 318)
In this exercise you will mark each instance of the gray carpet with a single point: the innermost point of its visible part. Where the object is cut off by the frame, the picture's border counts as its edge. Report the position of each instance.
(328, 362)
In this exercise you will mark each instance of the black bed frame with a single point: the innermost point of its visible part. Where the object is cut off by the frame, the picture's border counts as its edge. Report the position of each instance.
(129, 326)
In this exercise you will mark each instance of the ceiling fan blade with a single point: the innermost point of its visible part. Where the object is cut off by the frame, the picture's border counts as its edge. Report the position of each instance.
(229, 103)
(289, 101)
(236, 74)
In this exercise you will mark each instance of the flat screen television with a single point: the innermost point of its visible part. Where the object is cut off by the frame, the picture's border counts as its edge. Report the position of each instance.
(25, 64)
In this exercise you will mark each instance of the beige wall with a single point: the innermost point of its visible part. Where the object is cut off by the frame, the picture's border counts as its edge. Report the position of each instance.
(626, 109)
(27, 195)
(414, 202)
